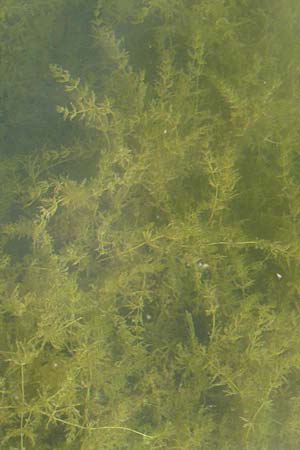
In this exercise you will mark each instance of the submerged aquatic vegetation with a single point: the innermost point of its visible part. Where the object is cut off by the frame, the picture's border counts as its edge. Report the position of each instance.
(141, 305)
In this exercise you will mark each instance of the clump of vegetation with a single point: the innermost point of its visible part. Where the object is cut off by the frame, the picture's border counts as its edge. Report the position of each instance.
(149, 255)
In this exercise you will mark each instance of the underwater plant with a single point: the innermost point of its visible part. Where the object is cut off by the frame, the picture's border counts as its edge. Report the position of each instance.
(149, 249)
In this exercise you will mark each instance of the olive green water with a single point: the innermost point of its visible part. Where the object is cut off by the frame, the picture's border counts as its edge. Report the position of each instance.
(149, 225)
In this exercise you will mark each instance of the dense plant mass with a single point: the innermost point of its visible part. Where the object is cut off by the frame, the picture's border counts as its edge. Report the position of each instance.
(149, 214)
